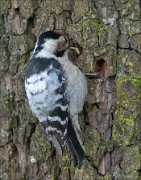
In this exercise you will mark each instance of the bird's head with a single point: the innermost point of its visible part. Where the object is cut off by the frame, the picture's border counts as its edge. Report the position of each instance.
(51, 41)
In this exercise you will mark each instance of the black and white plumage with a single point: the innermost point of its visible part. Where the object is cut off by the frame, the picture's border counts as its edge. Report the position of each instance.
(56, 91)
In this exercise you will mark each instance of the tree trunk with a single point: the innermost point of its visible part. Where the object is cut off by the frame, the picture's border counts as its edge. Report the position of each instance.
(110, 34)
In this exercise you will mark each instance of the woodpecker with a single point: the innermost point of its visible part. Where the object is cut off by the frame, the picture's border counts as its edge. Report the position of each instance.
(56, 90)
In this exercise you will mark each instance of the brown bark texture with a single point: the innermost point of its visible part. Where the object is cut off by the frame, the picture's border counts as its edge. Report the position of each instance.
(110, 33)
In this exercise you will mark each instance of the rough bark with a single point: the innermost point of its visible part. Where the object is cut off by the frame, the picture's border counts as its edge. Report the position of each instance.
(110, 33)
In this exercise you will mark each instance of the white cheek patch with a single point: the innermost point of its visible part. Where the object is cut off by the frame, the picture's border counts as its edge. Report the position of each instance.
(48, 49)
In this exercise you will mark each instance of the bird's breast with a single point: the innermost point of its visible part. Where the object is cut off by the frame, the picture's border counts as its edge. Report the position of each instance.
(76, 86)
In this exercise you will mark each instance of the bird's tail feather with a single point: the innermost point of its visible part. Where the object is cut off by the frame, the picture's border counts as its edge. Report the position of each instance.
(74, 145)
